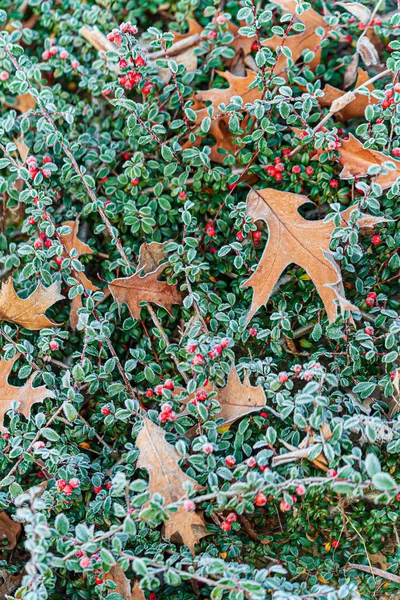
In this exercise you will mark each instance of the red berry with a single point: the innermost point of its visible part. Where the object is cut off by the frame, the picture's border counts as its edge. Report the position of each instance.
(152, 596)
(335, 544)
(48, 243)
(190, 348)
(372, 295)
(97, 489)
(300, 490)
(226, 526)
(271, 171)
(254, 47)
(135, 181)
(198, 359)
(282, 377)
(59, 260)
(68, 489)
(396, 151)
(230, 461)
(105, 410)
(149, 393)
(109, 485)
(139, 61)
(147, 88)
(123, 64)
(397, 88)
(376, 240)
(53, 345)
(264, 414)
(182, 195)
(201, 395)
(331, 473)
(79, 554)
(370, 301)
(31, 221)
(74, 482)
(61, 483)
(231, 186)
(257, 235)
(278, 177)
(159, 389)
(309, 170)
(98, 579)
(369, 330)
(260, 499)
(333, 183)
(37, 244)
(189, 505)
(43, 236)
(284, 506)
(239, 236)
(251, 462)
(296, 169)
(253, 332)
(210, 231)
(225, 342)
(169, 384)
(231, 518)
(398, 497)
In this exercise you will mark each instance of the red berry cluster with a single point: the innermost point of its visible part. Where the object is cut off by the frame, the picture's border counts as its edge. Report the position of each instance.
(227, 524)
(34, 169)
(68, 488)
(371, 298)
(166, 414)
(115, 35)
(41, 241)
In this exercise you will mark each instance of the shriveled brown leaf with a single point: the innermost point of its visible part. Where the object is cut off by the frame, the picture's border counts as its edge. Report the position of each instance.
(135, 289)
(238, 399)
(150, 256)
(10, 582)
(353, 106)
(22, 148)
(71, 242)
(23, 103)
(26, 395)
(219, 129)
(293, 239)
(123, 584)
(360, 11)
(28, 313)
(308, 40)
(351, 73)
(356, 160)
(166, 477)
(9, 529)
(367, 51)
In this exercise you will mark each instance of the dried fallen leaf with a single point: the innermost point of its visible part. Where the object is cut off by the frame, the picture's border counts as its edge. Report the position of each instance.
(26, 395)
(219, 127)
(8, 528)
(356, 160)
(150, 256)
(22, 103)
(308, 40)
(353, 105)
(123, 584)
(28, 313)
(239, 399)
(362, 13)
(293, 239)
(367, 51)
(71, 242)
(161, 461)
(22, 148)
(135, 289)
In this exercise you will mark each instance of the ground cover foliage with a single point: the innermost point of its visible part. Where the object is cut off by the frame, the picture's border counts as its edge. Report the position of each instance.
(199, 305)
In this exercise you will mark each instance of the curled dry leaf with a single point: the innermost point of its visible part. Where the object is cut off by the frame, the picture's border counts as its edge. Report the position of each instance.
(22, 148)
(351, 73)
(293, 239)
(150, 256)
(22, 103)
(28, 313)
(9, 529)
(161, 461)
(71, 242)
(367, 51)
(356, 160)
(135, 289)
(123, 584)
(348, 104)
(26, 395)
(362, 13)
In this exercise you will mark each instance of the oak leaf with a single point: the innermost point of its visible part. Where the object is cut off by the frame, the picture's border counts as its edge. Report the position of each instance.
(26, 395)
(135, 289)
(23, 103)
(356, 160)
(123, 584)
(293, 239)
(166, 477)
(9, 529)
(28, 313)
(219, 127)
(356, 107)
(239, 399)
(71, 242)
(308, 40)
(150, 256)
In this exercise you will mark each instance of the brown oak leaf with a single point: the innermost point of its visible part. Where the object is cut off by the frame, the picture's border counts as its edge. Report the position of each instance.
(28, 313)
(356, 107)
(166, 477)
(26, 395)
(308, 40)
(71, 242)
(9, 529)
(123, 584)
(239, 399)
(293, 239)
(356, 160)
(150, 256)
(135, 289)
(22, 103)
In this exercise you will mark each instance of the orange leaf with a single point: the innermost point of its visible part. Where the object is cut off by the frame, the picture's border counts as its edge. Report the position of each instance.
(28, 313)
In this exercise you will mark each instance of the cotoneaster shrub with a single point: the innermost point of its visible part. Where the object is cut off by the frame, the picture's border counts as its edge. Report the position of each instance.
(101, 147)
